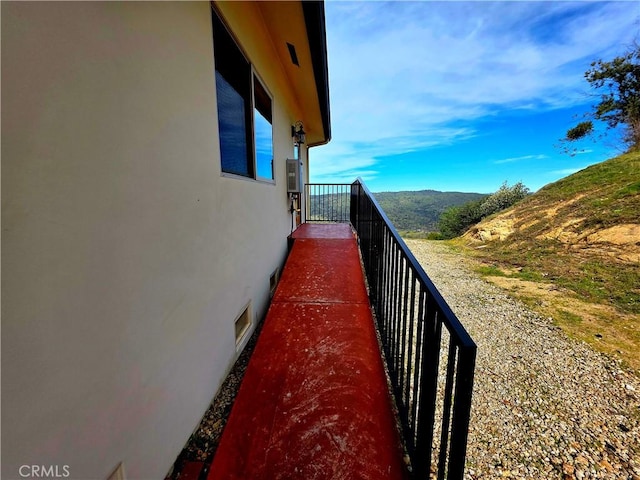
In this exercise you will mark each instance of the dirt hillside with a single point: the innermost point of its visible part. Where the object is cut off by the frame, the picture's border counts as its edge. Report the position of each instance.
(573, 250)
(595, 212)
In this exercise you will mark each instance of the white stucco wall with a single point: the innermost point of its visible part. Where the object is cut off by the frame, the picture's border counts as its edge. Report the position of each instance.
(126, 256)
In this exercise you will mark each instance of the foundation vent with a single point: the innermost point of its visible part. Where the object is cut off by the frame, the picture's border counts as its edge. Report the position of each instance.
(242, 324)
(273, 282)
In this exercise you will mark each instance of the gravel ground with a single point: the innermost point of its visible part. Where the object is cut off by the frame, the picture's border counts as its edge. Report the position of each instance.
(544, 406)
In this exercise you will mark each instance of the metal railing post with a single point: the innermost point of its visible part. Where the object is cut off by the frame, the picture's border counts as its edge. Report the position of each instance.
(462, 411)
(328, 202)
(412, 318)
(418, 331)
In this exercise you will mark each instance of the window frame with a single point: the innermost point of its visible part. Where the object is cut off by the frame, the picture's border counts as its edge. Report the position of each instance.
(249, 111)
(257, 177)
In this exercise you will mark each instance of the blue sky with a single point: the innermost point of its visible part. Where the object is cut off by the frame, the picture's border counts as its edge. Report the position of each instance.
(462, 96)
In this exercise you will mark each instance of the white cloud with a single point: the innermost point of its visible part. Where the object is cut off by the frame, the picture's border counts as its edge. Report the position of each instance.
(520, 159)
(405, 76)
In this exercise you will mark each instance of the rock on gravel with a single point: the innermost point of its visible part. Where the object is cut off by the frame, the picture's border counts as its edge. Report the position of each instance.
(544, 406)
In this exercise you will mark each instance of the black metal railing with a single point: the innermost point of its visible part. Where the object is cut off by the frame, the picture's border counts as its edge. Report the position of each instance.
(327, 202)
(430, 356)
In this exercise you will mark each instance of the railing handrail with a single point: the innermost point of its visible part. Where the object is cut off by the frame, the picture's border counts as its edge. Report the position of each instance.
(412, 319)
(327, 202)
(463, 335)
(429, 354)
(330, 184)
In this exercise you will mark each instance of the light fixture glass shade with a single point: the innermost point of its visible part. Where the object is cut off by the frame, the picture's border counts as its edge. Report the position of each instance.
(299, 135)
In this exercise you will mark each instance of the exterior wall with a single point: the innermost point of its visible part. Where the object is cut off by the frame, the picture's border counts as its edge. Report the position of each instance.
(126, 256)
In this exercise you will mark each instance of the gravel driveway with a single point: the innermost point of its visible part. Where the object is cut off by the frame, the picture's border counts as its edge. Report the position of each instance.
(544, 406)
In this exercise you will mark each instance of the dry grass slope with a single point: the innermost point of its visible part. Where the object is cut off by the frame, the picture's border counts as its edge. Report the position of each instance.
(572, 251)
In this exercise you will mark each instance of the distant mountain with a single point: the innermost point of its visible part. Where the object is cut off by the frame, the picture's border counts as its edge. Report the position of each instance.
(419, 211)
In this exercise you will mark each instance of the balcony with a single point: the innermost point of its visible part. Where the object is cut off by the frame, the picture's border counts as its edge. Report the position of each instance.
(354, 323)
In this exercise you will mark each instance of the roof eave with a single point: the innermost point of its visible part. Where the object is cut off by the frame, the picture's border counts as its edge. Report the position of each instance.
(314, 18)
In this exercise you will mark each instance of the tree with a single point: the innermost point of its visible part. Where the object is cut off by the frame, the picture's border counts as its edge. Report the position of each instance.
(580, 130)
(455, 220)
(503, 198)
(619, 84)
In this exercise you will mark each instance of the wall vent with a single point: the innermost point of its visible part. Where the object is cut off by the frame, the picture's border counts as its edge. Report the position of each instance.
(273, 282)
(293, 54)
(242, 324)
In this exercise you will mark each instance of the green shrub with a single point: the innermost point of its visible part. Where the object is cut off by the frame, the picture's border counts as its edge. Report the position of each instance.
(503, 198)
(435, 236)
(454, 221)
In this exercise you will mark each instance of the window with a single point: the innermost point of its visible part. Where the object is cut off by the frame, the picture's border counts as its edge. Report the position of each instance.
(263, 131)
(244, 111)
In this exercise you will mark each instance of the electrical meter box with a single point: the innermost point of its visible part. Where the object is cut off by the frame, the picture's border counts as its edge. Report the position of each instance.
(294, 176)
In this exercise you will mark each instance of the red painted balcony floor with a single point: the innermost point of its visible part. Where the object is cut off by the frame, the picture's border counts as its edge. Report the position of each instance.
(314, 402)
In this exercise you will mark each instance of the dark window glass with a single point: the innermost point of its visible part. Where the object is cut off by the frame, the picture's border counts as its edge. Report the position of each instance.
(232, 128)
(233, 86)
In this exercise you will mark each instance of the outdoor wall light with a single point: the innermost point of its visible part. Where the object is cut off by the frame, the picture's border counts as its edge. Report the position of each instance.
(298, 133)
